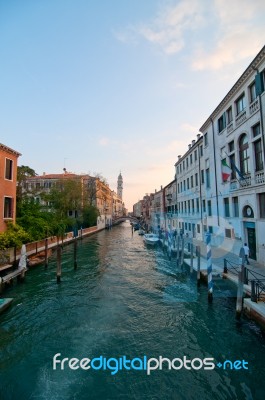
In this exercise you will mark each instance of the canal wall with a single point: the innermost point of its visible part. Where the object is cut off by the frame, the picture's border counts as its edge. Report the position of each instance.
(254, 310)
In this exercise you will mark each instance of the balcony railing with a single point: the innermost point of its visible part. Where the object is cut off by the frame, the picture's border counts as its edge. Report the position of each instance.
(230, 128)
(240, 118)
(254, 106)
(257, 179)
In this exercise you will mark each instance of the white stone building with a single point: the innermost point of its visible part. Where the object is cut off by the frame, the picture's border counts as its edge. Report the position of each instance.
(234, 134)
(190, 190)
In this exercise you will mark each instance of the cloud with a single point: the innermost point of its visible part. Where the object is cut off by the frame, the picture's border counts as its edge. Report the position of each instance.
(167, 29)
(240, 34)
(213, 33)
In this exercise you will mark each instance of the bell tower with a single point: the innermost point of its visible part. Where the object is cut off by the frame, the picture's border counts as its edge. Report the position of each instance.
(120, 186)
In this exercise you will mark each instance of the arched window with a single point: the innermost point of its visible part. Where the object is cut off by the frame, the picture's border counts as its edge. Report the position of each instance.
(244, 154)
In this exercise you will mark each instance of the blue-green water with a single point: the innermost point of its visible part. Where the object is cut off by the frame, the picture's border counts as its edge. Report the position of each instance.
(124, 299)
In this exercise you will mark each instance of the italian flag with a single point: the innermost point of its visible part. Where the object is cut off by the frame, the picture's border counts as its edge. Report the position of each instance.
(226, 170)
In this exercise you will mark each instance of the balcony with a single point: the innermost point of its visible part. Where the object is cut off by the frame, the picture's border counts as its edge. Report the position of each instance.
(257, 179)
(240, 118)
(230, 128)
(254, 106)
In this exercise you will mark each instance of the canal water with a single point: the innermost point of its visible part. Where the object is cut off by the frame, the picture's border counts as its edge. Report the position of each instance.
(125, 299)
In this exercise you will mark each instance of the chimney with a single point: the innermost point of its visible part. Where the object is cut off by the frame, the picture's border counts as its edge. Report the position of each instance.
(193, 142)
(179, 157)
(189, 146)
(198, 136)
(161, 187)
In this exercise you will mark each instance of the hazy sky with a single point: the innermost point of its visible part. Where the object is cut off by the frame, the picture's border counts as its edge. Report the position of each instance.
(118, 85)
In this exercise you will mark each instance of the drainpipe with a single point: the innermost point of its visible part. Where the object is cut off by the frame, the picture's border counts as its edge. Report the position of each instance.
(199, 156)
(261, 118)
(216, 191)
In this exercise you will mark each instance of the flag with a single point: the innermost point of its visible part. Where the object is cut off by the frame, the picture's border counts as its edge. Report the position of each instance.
(233, 165)
(226, 171)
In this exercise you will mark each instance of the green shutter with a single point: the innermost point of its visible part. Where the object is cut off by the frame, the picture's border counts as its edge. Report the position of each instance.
(224, 119)
(259, 84)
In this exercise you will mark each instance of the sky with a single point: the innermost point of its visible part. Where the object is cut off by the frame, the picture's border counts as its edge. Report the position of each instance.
(110, 86)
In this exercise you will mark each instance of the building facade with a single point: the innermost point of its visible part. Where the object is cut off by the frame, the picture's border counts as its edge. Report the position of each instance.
(234, 148)
(8, 184)
(94, 192)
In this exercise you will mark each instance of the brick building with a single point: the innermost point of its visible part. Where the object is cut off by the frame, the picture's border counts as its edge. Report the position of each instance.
(8, 184)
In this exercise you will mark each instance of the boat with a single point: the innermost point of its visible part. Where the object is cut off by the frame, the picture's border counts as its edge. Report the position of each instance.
(5, 303)
(151, 238)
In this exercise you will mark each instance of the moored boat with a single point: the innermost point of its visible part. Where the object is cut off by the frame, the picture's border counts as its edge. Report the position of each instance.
(151, 238)
(5, 303)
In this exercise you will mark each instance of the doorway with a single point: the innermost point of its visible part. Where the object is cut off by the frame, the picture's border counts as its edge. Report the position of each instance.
(251, 235)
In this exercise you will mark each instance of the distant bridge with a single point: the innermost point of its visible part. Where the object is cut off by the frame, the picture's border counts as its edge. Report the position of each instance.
(117, 220)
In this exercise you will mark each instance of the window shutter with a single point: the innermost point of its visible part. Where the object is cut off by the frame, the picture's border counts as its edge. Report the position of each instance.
(224, 119)
(259, 84)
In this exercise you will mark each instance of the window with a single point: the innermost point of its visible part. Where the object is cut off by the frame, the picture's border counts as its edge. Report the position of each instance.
(179, 167)
(184, 185)
(8, 207)
(207, 173)
(231, 146)
(189, 226)
(188, 206)
(9, 169)
(191, 159)
(188, 183)
(256, 130)
(204, 206)
(210, 229)
(240, 104)
(243, 154)
(183, 165)
(191, 181)
(198, 228)
(201, 151)
(209, 205)
(226, 207)
(196, 179)
(195, 155)
(202, 176)
(229, 115)
(228, 233)
(205, 139)
(181, 186)
(252, 92)
(258, 155)
(186, 226)
(187, 162)
(221, 123)
(198, 204)
(262, 205)
(235, 206)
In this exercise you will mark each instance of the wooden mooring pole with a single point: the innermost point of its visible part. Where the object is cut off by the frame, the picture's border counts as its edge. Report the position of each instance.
(178, 250)
(75, 253)
(198, 253)
(241, 275)
(191, 258)
(46, 253)
(209, 267)
(59, 264)
(182, 251)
